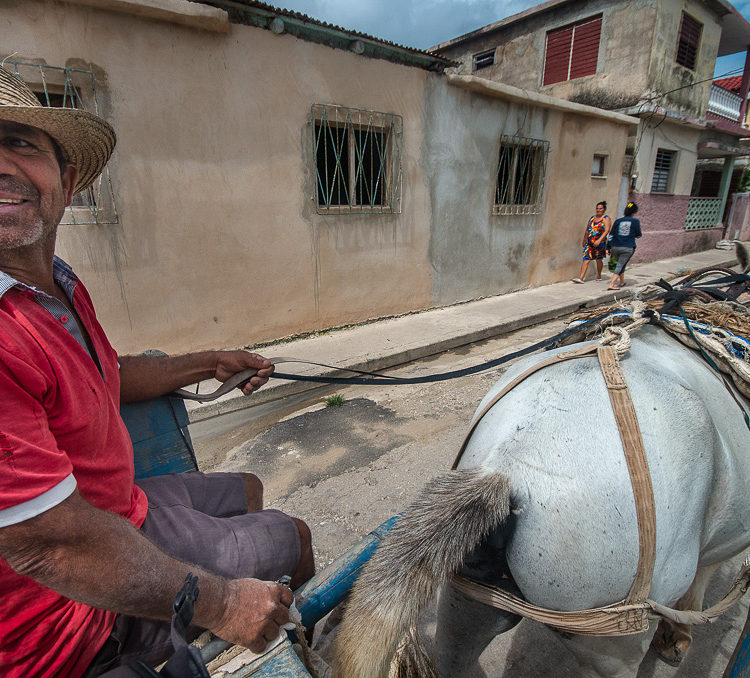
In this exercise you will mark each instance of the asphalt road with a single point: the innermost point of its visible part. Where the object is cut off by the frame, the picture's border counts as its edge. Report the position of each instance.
(347, 469)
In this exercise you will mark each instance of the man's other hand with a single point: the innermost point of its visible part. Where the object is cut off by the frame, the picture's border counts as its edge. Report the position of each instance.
(231, 362)
(254, 612)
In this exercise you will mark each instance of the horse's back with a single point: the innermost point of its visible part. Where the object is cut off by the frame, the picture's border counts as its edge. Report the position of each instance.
(556, 437)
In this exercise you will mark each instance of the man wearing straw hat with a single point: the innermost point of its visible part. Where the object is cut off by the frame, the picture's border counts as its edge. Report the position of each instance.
(89, 561)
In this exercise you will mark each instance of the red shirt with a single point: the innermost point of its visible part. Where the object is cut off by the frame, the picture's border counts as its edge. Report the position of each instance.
(59, 426)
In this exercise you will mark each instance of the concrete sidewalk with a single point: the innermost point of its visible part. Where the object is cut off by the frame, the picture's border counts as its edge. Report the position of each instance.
(385, 343)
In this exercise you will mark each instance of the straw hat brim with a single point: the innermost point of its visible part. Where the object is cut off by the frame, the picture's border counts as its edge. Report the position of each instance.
(86, 140)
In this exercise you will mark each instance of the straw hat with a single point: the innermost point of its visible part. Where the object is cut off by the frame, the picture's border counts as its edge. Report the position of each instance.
(86, 140)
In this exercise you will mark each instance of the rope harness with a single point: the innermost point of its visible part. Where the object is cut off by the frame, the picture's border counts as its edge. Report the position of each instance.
(630, 615)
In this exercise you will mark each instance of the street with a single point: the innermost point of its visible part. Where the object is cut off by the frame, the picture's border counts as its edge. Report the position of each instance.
(346, 469)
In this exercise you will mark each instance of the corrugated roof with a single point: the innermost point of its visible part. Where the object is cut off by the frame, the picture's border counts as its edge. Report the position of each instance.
(419, 58)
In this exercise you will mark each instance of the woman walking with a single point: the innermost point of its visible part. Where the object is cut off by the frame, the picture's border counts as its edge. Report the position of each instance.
(594, 239)
(622, 243)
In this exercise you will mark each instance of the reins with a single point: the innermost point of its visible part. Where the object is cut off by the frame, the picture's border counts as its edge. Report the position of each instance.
(377, 378)
(672, 296)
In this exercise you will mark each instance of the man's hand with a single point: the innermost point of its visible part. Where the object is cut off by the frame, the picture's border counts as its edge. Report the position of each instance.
(98, 558)
(144, 376)
(254, 612)
(231, 362)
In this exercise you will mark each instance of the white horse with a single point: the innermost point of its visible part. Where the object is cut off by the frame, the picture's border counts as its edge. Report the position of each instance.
(549, 512)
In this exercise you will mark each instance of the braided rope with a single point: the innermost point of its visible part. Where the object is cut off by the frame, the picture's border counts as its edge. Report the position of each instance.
(717, 342)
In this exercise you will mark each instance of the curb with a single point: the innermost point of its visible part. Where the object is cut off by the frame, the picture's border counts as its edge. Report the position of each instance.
(415, 348)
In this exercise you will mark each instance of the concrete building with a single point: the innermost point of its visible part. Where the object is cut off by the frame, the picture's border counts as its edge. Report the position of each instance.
(276, 175)
(653, 59)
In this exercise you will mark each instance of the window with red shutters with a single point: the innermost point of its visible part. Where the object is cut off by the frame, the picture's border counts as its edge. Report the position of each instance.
(687, 45)
(572, 51)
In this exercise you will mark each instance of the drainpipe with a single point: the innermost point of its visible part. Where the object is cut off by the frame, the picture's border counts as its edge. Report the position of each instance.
(726, 178)
(745, 87)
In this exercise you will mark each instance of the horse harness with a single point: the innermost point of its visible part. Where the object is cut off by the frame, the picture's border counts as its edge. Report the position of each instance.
(630, 615)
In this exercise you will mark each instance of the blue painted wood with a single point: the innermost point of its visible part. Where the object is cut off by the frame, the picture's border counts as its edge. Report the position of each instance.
(317, 597)
(161, 441)
(285, 664)
(739, 664)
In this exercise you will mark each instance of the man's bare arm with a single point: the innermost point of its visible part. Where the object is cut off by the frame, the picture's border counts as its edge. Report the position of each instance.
(100, 559)
(144, 377)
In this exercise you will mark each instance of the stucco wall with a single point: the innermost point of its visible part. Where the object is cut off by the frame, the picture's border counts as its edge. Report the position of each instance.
(659, 133)
(475, 253)
(739, 217)
(218, 243)
(636, 54)
(663, 224)
(684, 90)
(623, 52)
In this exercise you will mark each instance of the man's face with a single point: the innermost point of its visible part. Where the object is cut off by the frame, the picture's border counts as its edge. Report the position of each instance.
(33, 191)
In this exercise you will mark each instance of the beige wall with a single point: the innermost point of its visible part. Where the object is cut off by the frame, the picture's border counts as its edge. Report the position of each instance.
(623, 52)
(572, 198)
(669, 136)
(218, 243)
(636, 54)
(666, 75)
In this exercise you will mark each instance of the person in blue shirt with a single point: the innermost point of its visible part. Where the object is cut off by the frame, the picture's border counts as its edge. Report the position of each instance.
(622, 243)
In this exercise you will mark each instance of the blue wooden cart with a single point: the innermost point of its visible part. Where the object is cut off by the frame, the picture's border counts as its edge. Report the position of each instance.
(162, 444)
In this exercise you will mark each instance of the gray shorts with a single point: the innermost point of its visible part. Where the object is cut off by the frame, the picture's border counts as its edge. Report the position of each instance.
(623, 255)
(201, 519)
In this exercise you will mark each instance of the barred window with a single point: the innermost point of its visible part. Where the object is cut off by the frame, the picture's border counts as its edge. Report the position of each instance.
(483, 59)
(663, 171)
(72, 88)
(356, 160)
(520, 175)
(687, 44)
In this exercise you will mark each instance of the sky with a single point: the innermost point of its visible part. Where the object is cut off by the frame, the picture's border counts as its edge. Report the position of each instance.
(424, 23)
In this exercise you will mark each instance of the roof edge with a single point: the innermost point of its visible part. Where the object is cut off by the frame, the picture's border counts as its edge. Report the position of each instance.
(501, 91)
(304, 27)
(525, 14)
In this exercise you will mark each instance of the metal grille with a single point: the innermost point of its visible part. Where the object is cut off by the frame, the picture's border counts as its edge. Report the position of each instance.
(687, 45)
(662, 171)
(72, 88)
(483, 59)
(357, 160)
(703, 213)
(520, 175)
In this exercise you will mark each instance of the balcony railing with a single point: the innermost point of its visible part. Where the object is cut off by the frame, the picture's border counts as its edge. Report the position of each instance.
(724, 103)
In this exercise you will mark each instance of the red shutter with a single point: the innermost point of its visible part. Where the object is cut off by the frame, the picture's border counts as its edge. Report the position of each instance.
(557, 57)
(687, 46)
(585, 52)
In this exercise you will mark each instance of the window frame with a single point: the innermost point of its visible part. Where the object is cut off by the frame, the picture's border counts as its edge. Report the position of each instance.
(74, 88)
(603, 157)
(686, 51)
(513, 145)
(571, 68)
(667, 181)
(480, 56)
(349, 124)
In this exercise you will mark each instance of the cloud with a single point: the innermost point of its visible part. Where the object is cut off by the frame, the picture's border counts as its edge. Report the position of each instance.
(415, 23)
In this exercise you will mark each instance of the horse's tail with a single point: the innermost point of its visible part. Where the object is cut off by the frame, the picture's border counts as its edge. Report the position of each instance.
(453, 513)
(743, 256)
